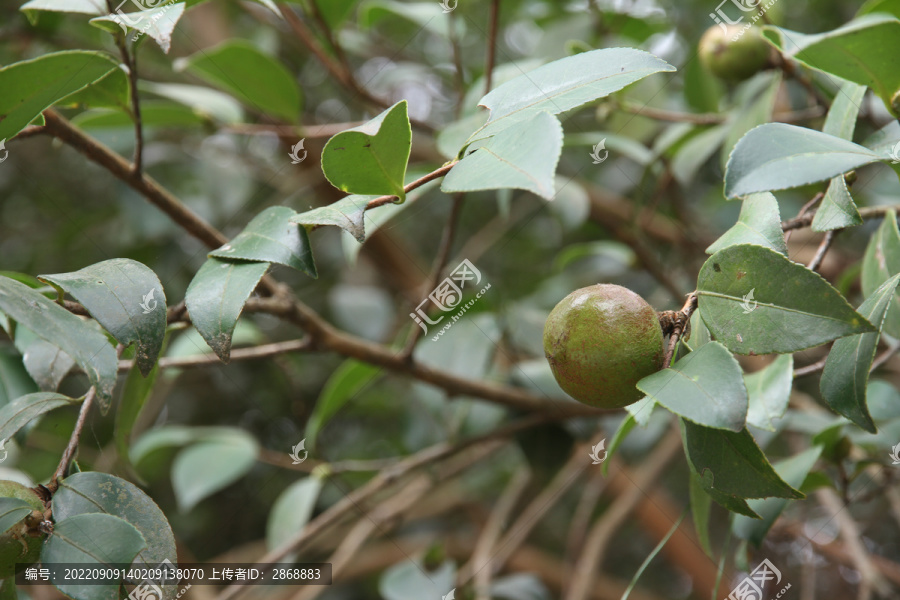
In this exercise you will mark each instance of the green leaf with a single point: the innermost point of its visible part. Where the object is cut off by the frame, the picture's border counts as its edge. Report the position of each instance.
(846, 373)
(135, 393)
(371, 158)
(701, 504)
(755, 300)
(523, 156)
(837, 209)
(291, 512)
(705, 386)
(32, 86)
(86, 7)
(793, 471)
(651, 556)
(880, 263)
(755, 110)
(46, 363)
(619, 436)
(20, 411)
(841, 119)
(737, 465)
(770, 390)
(206, 102)
(95, 541)
(566, 84)
(126, 298)
(705, 482)
(14, 379)
(216, 297)
(154, 113)
(695, 152)
(777, 156)
(347, 213)
(335, 12)
(212, 464)
(112, 90)
(861, 51)
(272, 237)
(642, 410)
(345, 383)
(100, 493)
(159, 23)
(410, 580)
(759, 223)
(256, 79)
(90, 348)
(12, 511)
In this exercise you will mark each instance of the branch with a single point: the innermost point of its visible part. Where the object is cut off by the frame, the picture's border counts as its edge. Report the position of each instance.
(615, 515)
(680, 321)
(806, 219)
(204, 360)
(436, 174)
(72, 446)
(822, 250)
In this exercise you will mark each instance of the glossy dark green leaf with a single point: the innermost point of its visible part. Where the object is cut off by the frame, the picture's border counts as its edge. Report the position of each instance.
(93, 492)
(755, 300)
(20, 411)
(566, 84)
(846, 373)
(344, 384)
(216, 297)
(90, 348)
(737, 465)
(272, 237)
(523, 156)
(158, 23)
(12, 510)
(769, 390)
(861, 51)
(31, 86)
(213, 463)
(777, 156)
(880, 263)
(793, 471)
(371, 158)
(258, 80)
(727, 501)
(98, 540)
(706, 386)
(126, 298)
(347, 213)
(759, 223)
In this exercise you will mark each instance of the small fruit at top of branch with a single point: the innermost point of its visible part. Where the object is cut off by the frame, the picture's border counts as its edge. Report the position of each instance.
(21, 543)
(600, 341)
(735, 53)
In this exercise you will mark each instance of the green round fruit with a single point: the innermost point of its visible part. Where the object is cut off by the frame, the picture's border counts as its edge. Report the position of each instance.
(16, 545)
(734, 53)
(600, 341)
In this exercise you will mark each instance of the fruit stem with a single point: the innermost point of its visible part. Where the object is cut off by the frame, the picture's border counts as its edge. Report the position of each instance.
(674, 323)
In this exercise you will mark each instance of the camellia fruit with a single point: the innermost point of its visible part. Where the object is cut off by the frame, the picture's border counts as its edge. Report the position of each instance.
(600, 341)
(17, 544)
(734, 53)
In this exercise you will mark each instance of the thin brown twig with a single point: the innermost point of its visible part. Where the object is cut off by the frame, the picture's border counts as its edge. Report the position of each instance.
(252, 353)
(806, 219)
(72, 446)
(816, 261)
(804, 211)
(682, 319)
(440, 262)
(820, 364)
(493, 23)
(660, 114)
(436, 174)
(130, 61)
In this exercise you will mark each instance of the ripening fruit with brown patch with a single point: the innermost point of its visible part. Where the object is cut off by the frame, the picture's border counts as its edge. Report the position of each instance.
(600, 341)
(734, 53)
